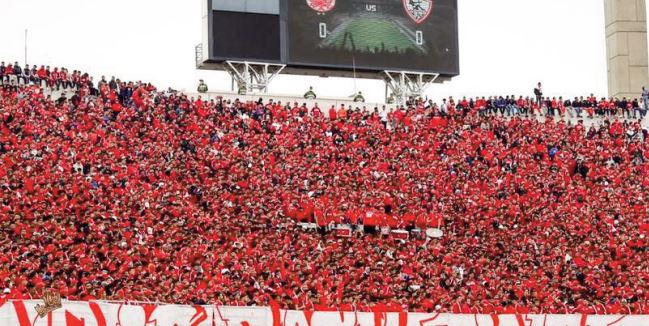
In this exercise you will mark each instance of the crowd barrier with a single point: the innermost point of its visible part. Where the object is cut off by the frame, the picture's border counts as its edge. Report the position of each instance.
(24, 313)
(324, 103)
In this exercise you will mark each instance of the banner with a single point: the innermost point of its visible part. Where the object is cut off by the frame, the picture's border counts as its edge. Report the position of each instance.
(24, 313)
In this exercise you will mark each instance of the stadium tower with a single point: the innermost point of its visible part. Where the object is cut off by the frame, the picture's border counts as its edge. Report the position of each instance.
(626, 47)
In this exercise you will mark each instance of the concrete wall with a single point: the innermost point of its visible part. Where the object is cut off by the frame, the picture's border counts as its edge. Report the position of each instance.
(323, 102)
(626, 47)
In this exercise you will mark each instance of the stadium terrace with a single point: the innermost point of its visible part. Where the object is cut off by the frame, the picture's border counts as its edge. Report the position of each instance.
(119, 191)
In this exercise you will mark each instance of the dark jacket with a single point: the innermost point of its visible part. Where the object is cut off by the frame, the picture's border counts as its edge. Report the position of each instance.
(500, 103)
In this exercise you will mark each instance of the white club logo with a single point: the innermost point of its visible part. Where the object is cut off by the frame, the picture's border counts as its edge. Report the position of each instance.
(418, 10)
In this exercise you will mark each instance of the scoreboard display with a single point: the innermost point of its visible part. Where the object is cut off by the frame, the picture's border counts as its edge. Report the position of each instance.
(373, 35)
(333, 37)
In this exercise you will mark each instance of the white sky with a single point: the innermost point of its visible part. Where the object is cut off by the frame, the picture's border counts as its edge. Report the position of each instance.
(506, 46)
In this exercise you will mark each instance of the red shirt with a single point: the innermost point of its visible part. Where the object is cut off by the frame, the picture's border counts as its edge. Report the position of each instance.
(332, 114)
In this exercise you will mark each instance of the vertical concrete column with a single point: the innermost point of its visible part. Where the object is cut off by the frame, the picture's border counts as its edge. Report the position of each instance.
(626, 47)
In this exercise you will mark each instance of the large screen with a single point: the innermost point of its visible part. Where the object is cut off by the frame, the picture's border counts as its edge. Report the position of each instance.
(374, 35)
(245, 36)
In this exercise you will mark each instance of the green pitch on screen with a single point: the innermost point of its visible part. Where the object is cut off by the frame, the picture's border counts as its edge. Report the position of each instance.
(372, 35)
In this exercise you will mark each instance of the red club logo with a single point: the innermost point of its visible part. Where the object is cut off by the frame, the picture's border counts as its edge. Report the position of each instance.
(418, 10)
(321, 6)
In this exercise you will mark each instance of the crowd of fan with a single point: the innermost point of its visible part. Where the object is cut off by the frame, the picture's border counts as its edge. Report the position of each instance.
(124, 192)
(580, 107)
(44, 76)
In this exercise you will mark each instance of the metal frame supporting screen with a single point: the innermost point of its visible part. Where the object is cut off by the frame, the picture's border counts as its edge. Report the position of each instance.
(245, 36)
(374, 35)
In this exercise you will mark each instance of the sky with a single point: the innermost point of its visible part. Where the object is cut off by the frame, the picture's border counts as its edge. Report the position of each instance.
(506, 46)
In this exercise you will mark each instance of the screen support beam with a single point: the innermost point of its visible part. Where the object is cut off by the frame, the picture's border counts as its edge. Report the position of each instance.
(198, 53)
(406, 84)
(252, 76)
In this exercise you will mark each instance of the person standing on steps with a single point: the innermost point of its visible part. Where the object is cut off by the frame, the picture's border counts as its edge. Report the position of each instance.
(538, 93)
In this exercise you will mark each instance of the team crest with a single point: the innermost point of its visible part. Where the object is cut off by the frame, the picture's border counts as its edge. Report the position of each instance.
(321, 6)
(418, 10)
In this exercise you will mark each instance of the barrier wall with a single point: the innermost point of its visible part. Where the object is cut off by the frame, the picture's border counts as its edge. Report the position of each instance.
(324, 103)
(23, 313)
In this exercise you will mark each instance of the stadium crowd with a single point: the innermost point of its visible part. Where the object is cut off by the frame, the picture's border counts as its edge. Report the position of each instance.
(124, 192)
